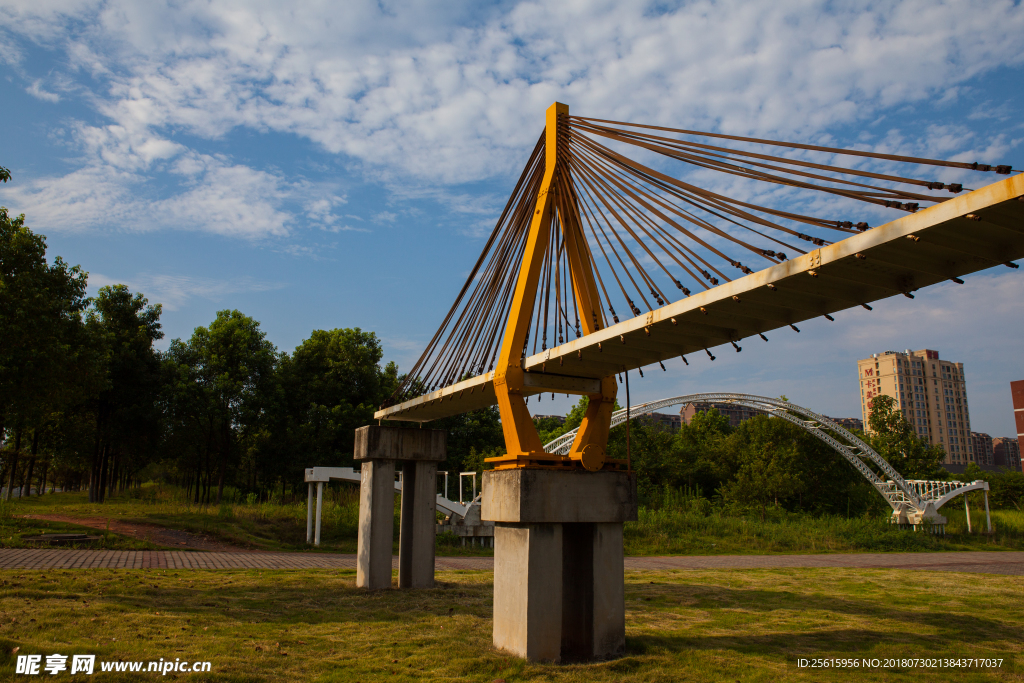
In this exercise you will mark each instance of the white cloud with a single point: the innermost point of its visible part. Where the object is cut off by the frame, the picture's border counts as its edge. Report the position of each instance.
(213, 196)
(173, 291)
(449, 94)
(36, 90)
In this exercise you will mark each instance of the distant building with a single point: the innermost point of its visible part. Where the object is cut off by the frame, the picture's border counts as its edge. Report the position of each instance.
(982, 447)
(849, 423)
(931, 394)
(559, 418)
(670, 423)
(1017, 393)
(735, 413)
(1006, 453)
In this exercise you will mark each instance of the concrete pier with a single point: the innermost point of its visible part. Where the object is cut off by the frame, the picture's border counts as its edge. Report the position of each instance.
(376, 524)
(416, 537)
(417, 451)
(558, 561)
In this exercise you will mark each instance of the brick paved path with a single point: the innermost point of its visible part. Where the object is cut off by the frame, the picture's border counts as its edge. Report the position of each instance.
(980, 561)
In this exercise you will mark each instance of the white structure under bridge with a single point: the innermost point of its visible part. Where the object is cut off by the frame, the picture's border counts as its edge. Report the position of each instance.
(461, 518)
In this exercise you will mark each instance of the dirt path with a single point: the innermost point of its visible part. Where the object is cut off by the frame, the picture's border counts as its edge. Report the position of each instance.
(171, 538)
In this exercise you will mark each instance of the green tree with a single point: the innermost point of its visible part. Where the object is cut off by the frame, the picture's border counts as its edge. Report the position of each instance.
(334, 382)
(127, 410)
(700, 447)
(894, 438)
(1007, 489)
(41, 327)
(221, 376)
(767, 461)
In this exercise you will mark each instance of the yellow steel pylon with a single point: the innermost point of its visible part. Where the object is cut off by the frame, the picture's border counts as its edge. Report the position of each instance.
(521, 439)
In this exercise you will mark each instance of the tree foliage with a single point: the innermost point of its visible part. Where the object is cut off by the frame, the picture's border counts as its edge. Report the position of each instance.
(894, 438)
(84, 390)
(41, 335)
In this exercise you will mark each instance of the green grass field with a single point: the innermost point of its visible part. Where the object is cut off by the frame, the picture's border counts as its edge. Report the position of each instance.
(733, 625)
(680, 532)
(683, 530)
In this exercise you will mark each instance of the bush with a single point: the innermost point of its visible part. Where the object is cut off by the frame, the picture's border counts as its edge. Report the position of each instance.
(1007, 490)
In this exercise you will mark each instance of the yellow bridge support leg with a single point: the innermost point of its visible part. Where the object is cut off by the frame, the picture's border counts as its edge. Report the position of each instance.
(521, 439)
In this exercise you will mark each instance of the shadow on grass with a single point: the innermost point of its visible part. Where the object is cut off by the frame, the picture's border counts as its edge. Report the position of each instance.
(923, 630)
(244, 595)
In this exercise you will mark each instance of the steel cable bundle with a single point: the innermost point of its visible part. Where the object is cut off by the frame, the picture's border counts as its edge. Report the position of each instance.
(647, 234)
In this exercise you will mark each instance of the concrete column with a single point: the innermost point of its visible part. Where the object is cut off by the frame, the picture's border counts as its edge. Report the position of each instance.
(558, 561)
(593, 598)
(309, 515)
(528, 590)
(609, 628)
(416, 539)
(376, 524)
(577, 636)
(967, 511)
(319, 506)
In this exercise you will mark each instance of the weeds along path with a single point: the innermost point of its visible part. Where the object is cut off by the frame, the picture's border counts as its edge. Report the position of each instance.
(171, 538)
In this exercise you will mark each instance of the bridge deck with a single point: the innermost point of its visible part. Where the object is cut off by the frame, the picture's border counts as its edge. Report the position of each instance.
(949, 245)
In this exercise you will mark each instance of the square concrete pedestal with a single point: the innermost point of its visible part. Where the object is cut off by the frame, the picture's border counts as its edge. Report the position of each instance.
(558, 561)
(417, 452)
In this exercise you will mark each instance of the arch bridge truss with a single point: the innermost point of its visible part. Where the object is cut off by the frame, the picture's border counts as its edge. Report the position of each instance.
(913, 501)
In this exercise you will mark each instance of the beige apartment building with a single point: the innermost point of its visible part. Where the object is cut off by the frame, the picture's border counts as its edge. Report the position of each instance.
(930, 392)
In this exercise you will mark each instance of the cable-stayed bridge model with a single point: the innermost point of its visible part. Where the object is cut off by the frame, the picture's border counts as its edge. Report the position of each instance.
(610, 256)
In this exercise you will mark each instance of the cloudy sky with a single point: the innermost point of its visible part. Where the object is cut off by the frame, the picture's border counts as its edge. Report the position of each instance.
(335, 164)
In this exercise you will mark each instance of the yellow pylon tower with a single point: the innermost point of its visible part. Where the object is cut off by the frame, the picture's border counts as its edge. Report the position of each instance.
(521, 439)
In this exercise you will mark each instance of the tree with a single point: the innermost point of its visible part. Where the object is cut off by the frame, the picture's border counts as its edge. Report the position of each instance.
(767, 457)
(41, 327)
(336, 381)
(125, 326)
(222, 374)
(895, 439)
(700, 448)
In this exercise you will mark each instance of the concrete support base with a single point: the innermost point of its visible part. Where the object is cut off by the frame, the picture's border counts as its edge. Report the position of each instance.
(416, 539)
(376, 524)
(558, 563)
(418, 451)
(559, 591)
(528, 590)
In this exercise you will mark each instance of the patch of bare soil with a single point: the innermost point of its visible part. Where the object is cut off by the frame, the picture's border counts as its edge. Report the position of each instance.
(170, 538)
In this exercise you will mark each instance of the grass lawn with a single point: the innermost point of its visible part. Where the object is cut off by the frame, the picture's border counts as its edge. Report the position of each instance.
(733, 625)
(279, 526)
(680, 532)
(269, 526)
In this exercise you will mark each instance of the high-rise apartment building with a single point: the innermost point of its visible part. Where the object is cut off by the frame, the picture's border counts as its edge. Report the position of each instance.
(931, 393)
(981, 444)
(1006, 452)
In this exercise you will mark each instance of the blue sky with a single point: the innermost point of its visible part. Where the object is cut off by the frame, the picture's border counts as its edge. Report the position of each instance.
(337, 165)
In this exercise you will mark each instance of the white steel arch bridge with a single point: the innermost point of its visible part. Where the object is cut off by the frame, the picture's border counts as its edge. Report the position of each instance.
(913, 501)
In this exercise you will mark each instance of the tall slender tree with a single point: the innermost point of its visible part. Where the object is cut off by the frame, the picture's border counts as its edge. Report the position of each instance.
(41, 330)
(126, 326)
